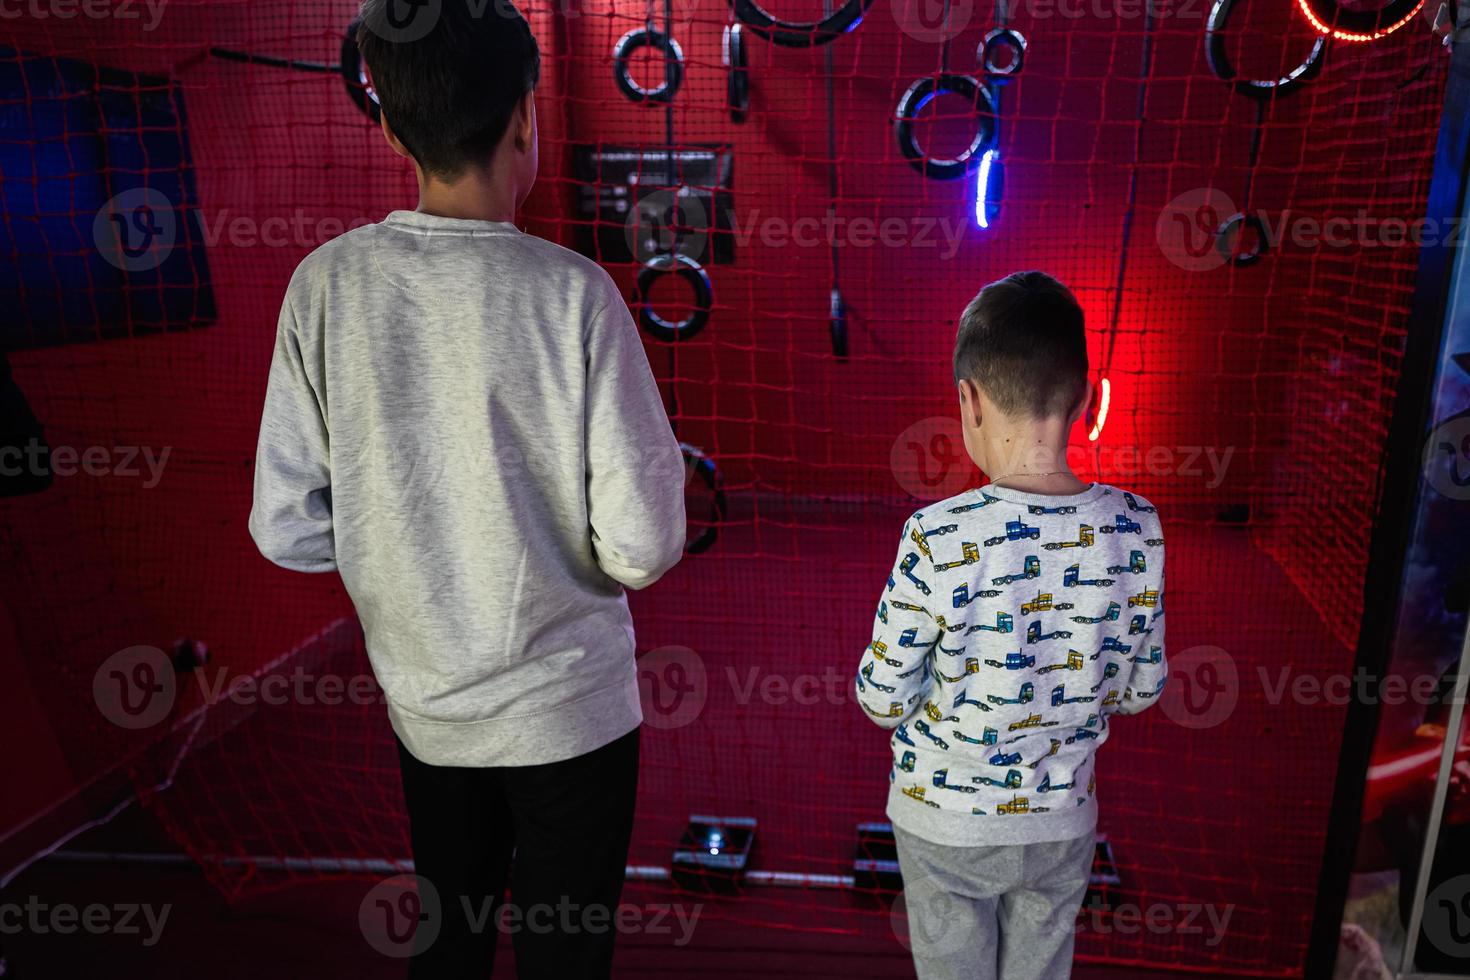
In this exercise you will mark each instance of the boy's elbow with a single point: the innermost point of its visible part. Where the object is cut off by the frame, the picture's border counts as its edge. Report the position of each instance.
(885, 713)
(292, 550)
(640, 570)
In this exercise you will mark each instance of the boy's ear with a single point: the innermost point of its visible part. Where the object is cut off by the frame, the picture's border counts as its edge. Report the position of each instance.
(1086, 403)
(525, 121)
(970, 413)
(392, 138)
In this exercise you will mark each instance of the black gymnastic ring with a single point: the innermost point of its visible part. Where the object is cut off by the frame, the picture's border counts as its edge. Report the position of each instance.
(1330, 19)
(709, 473)
(1255, 88)
(673, 263)
(737, 68)
(359, 89)
(1002, 37)
(918, 96)
(794, 34)
(673, 65)
(1237, 223)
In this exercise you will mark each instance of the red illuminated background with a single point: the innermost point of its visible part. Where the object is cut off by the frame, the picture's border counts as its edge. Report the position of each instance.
(1288, 365)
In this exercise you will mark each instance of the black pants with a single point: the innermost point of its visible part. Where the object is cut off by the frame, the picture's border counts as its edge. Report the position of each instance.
(567, 825)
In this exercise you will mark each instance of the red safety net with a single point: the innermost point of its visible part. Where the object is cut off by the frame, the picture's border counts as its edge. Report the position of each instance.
(1248, 401)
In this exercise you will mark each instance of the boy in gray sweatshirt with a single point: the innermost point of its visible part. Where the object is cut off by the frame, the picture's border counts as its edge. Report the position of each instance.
(461, 421)
(1018, 620)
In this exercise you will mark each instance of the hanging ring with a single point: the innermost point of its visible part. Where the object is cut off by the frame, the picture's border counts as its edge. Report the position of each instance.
(737, 79)
(998, 40)
(920, 94)
(636, 40)
(673, 263)
(794, 34)
(1228, 238)
(354, 73)
(1255, 88)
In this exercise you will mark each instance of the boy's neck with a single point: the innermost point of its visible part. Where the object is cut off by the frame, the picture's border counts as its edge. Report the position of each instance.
(1031, 457)
(475, 195)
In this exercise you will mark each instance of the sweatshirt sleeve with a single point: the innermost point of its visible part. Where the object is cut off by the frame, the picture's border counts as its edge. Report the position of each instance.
(635, 469)
(291, 519)
(1150, 668)
(893, 674)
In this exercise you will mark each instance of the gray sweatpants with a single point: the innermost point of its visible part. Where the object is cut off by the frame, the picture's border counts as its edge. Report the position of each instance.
(985, 912)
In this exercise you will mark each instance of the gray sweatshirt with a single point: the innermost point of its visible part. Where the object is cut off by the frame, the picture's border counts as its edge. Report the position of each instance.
(460, 419)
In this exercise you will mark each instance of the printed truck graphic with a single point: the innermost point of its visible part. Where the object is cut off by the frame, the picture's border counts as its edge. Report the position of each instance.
(1136, 563)
(1122, 525)
(1133, 504)
(969, 555)
(1038, 509)
(1011, 781)
(1084, 540)
(1148, 597)
(988, 738)
(961, 699)
(1034, 634)
(972, 666)
(1013, 661)
(963, 596)
(1023, 696)
(1030, 569)
(1059, 696)
(1071, 578)
(1016, 530)
(1003, 624)
(984, 501)
(1018, 804)
(1111, 615)
(941, 781)
(1041, 603)
(1073, 662)
(907, 566)
(1138, 625)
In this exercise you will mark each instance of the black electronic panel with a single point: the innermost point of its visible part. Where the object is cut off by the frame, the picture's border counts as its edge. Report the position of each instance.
(635, 203)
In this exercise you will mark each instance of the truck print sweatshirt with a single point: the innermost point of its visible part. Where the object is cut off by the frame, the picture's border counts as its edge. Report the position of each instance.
(1013, 627)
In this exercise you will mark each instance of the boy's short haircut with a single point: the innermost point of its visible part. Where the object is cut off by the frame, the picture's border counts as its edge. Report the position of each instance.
(449, 90)
(1022, 340)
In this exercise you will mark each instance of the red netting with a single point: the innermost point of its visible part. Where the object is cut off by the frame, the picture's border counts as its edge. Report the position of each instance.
(1249, 402)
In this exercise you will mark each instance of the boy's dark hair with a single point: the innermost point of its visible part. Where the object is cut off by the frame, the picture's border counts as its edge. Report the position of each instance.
(1022, 340)
(448, 77)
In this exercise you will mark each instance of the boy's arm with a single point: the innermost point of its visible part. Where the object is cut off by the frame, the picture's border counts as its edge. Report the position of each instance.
(635, 469)
(1150, 668)
(291, 520)
(894, 672)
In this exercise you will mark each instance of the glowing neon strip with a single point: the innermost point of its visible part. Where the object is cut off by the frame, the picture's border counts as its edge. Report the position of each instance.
(982, 190)
(1349, 35)
(1102, 411)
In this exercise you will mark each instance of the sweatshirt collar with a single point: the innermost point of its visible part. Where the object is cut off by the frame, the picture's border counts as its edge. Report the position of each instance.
(433, 224)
